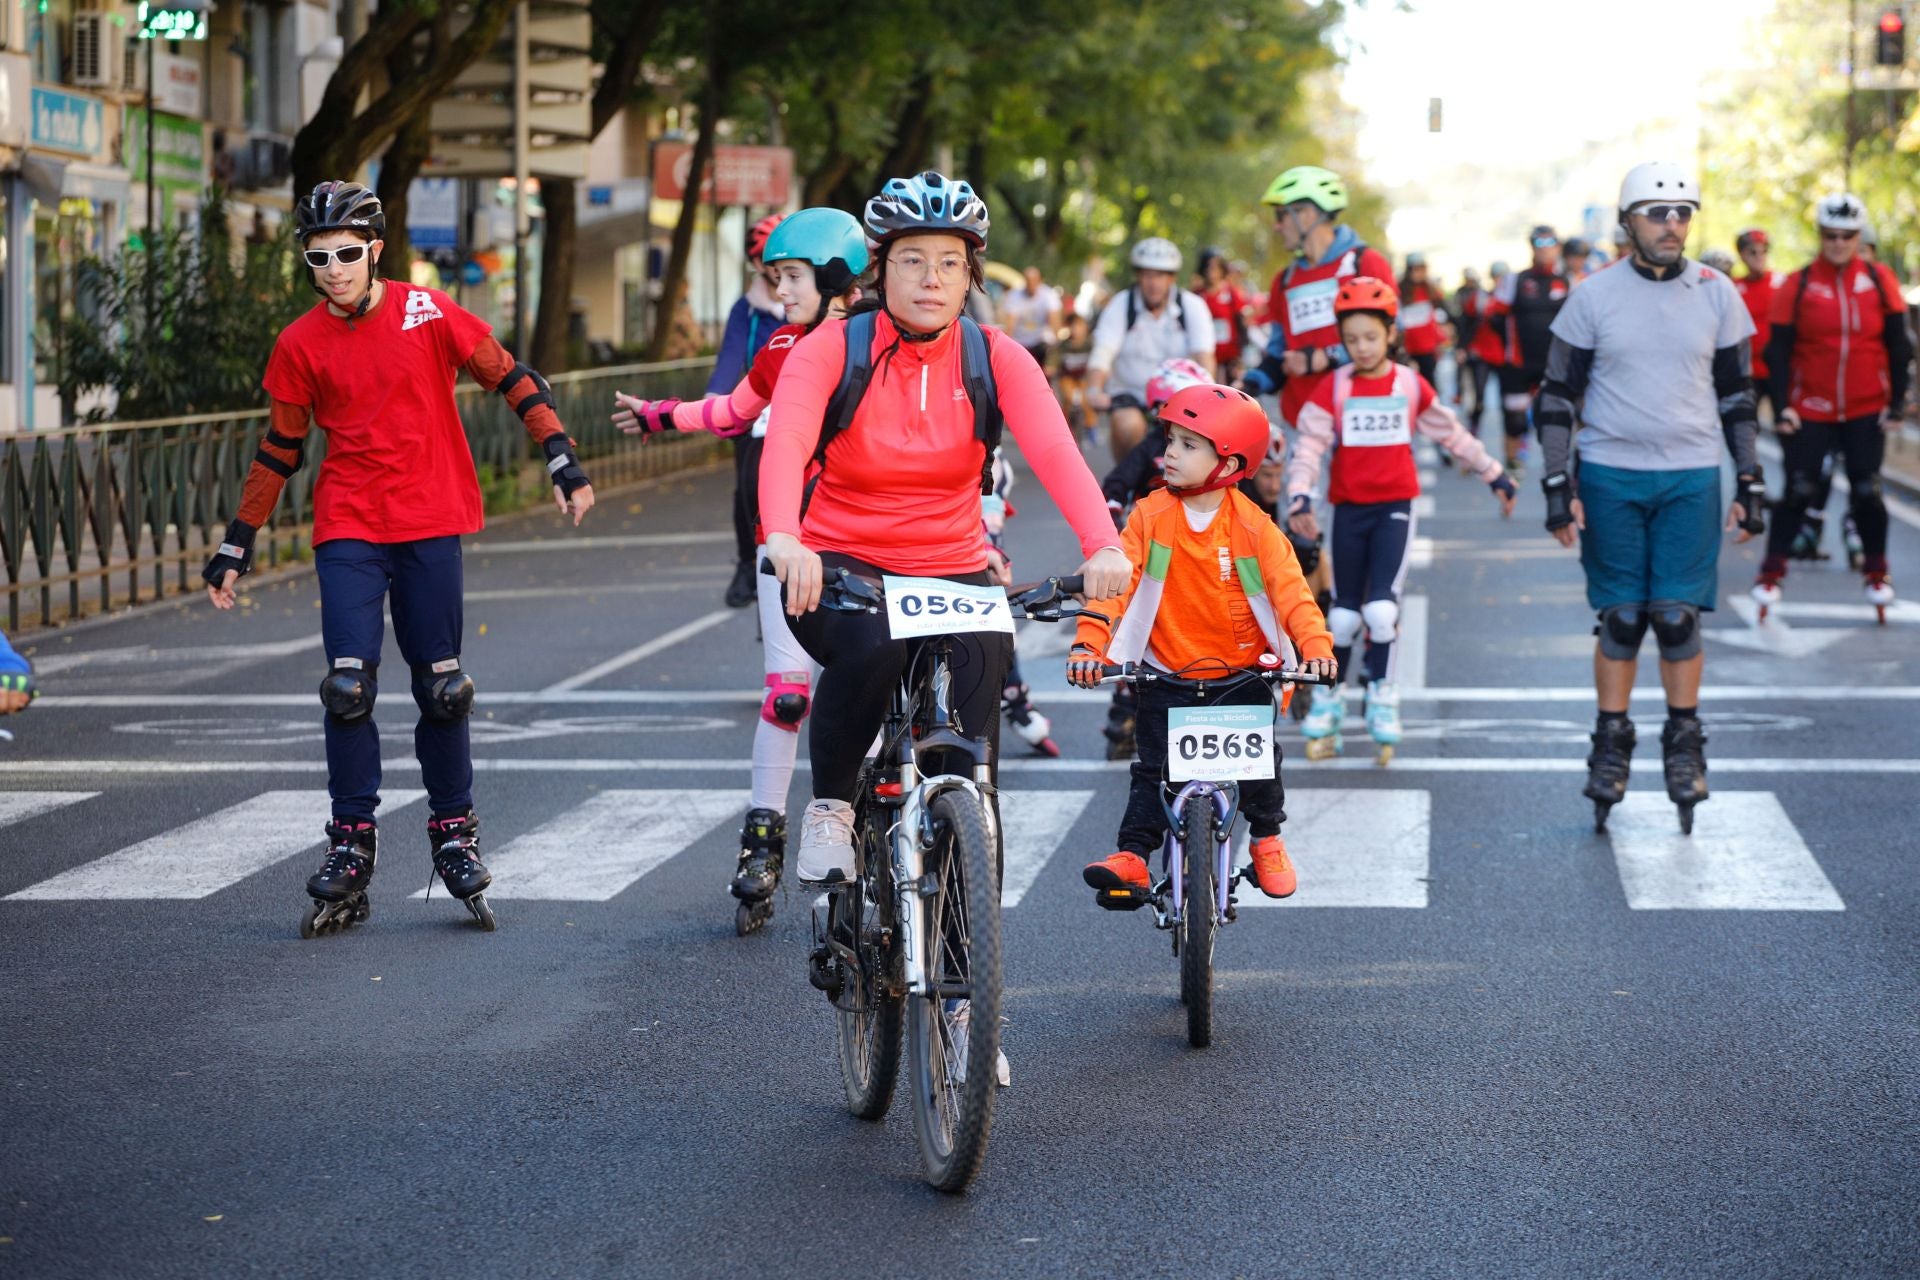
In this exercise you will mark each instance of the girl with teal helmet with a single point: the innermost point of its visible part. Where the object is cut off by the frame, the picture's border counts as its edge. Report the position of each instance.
(832, 242)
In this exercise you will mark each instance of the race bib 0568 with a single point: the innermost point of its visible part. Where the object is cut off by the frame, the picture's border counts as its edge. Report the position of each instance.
(1220, 744)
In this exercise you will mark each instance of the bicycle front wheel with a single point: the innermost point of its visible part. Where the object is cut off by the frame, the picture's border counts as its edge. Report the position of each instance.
(954, 1029)
(1197, 852)
(869, 1034)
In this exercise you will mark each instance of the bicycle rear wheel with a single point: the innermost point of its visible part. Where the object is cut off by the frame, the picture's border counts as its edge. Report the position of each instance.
(1197, 853)
(869, 1036)
(954, 1030)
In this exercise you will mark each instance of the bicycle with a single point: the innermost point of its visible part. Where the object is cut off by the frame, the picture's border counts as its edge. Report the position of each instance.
(1200, 819)
(911, 944)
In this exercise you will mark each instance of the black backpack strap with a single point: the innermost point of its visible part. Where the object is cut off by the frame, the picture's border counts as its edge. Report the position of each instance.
(854, 376)
(976, 374)
(1133, 305)
(1799, 292)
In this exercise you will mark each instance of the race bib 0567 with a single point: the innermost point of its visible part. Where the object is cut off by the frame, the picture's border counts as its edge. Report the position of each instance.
(936, 607)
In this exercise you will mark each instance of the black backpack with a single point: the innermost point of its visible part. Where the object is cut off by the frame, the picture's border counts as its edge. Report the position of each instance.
(1133, 306)
(976, 374)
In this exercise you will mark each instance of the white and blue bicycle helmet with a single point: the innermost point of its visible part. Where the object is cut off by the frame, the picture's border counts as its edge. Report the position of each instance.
(927, 203)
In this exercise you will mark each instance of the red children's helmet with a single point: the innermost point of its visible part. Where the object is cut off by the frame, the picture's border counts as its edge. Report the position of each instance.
(1367, 293)
(1749, 238)
(757, 234)
(1230, 420)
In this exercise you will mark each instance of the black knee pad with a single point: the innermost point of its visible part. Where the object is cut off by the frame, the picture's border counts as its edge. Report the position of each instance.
(1866, 491)
(443, 691)
(1622, 628)
(349, 690)
(1806, 486)
(1676, 628)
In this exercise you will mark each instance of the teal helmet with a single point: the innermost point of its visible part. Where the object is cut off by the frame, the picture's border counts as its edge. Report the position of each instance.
(831, 239)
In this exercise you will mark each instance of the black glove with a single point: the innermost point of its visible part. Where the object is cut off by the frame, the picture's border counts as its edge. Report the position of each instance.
(235, 554)
(1751, 493)
(1558, 486)
(1502, 484)
(562, 465)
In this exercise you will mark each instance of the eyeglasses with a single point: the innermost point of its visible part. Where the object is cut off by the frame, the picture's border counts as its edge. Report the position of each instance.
(952, 268)
(1681, 213)
(1544, 242)
(346, 255)
(1829, 234)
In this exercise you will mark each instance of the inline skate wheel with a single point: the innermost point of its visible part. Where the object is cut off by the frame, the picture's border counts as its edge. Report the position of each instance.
(310, 926)
(483, 913)
(1686, 819)
(1323, 748)
(1385, 757)
(749, 916)
(1600, 809)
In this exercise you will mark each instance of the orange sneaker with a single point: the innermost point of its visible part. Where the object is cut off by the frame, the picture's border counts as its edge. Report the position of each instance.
(1121, 871)
(1272, 868)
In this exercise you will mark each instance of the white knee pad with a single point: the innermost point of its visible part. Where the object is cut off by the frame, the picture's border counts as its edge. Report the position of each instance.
(1345, 625)
(1383, 620)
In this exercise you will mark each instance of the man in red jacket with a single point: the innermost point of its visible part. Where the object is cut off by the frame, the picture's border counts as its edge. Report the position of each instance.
(1839, 359)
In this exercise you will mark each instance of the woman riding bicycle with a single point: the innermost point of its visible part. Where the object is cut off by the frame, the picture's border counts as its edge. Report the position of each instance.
(898, 491)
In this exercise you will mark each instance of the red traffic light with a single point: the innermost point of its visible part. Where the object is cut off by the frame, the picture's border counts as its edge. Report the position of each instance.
(1892, 23)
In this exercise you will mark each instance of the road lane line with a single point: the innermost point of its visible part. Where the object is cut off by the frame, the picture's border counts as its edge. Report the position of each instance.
(208, 854)
(1410, 650)
(1034, 823)
(608, 841)
(1745, 854)
(590, 543)
(1354, 847)
(18, 806)
(641, 652)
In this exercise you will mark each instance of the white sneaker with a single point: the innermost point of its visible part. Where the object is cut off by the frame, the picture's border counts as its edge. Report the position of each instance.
(960, 1014)
(826, 843)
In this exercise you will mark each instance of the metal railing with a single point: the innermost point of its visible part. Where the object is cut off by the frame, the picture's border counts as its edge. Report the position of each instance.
(118, 513)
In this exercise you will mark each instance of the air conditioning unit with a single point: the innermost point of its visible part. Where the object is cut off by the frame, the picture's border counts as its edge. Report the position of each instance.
(98, 56)
(270, 160)
(133, 67)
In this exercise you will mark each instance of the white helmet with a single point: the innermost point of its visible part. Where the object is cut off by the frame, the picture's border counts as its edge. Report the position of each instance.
(1658, 180)
(1155, 254)
(1719, 259)
(1841, 212)
(1276, 448)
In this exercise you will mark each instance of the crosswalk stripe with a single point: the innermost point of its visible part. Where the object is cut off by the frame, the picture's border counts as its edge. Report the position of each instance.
(609, 841)
(1745, 854)
(1033, 824)
(18, 806)
(1355, 847)
(205, 855)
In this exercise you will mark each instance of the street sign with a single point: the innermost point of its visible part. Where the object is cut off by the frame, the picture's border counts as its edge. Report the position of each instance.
(736, 176)
(172, 20)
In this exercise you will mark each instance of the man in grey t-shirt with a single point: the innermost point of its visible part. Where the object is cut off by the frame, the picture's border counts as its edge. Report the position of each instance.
(1659, 348)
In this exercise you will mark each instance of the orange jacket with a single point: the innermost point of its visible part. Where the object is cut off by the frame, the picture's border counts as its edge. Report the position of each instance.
(1227, 593)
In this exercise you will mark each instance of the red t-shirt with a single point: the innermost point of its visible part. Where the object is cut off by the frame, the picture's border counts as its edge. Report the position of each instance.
(765, 373)
(1421, 310)
(398, 468)
(1301, 303)
(1228, 307)
(1379, 468)
(1757, 293)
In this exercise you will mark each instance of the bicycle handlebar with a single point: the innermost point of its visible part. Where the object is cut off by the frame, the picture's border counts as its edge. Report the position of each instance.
(1113, 673)
(844, 591)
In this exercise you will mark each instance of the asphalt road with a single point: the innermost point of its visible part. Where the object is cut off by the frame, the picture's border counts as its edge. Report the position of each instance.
(1482, 1041)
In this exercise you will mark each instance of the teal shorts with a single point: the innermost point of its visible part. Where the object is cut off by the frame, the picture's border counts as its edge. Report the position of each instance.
(1650, 535)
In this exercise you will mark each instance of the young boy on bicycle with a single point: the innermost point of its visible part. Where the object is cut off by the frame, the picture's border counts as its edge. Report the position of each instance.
(1216, 588)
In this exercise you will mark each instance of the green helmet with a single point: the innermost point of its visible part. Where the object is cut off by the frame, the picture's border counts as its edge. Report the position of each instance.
(1320, 187)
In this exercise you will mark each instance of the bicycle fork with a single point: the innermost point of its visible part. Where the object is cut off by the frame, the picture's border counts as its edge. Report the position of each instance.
(912, 836)
(1226, 806)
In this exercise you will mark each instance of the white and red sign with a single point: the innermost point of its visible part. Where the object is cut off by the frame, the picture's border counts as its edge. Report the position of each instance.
(735, 175)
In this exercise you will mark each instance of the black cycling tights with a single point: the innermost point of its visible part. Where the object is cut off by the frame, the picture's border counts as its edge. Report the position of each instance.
(860, 667)
(1862, 448)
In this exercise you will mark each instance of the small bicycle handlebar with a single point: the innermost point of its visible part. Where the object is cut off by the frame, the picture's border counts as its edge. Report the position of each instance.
(1113, 673)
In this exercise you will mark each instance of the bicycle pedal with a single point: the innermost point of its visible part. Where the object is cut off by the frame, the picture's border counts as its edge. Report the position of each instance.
(1123, 898)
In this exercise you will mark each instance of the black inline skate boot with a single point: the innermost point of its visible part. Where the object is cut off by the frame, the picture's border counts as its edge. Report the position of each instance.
(1120, 721)
(339, 888)
(1608, 766)
(1807, 539)
(1033, 728)
(763, 851)
(1683, 746)
(456, 856)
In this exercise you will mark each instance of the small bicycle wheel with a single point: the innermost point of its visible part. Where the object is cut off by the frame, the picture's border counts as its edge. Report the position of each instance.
(954, 1029)
(869, 1035)
(1197, 852)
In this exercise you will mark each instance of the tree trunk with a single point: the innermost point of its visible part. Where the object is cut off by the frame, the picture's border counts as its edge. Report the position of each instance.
(676, 272)
(558, 197)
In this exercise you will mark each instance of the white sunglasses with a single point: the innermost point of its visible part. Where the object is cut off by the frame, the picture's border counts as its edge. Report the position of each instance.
(346, 255)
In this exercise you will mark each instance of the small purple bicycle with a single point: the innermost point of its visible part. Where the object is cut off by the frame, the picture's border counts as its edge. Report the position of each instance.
(1194, 903)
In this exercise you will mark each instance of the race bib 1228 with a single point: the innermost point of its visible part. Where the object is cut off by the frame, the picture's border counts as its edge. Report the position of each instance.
(1371, 422)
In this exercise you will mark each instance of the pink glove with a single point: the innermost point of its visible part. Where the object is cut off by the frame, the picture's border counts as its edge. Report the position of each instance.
(643, 417)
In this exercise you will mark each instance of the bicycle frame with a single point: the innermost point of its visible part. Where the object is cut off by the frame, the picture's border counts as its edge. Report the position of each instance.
(1225, 799)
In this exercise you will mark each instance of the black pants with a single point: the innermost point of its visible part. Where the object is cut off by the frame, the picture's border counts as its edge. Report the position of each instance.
(746, 495)
(1862, 447)
(1428, 365)
(1476, 377)
(860, 665)
(1144, 827)
(1517, 389)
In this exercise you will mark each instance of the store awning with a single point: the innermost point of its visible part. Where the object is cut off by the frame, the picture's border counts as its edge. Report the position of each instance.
(51, 179)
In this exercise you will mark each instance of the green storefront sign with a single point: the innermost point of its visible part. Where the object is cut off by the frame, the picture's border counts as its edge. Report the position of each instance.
(180, 149)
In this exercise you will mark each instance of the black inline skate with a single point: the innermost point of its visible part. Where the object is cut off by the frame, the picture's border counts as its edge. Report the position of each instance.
(456, 856)
(1120, 722)
(763, 850)
(1034, 729)
(1608, 766)
(339, 887)
(1683, 746)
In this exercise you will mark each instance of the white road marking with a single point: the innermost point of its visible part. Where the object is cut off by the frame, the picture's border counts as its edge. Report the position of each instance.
(1428, 477)
(1898, 611)
(570, 545)
(1355, 848)
(1034, 823)
(607, 842)
(1423, 507)
(209, 656)
(582, 593)
(1775, 635)
(208, 854)
(1745, 854)
(18, 806)
(641, 652)
(1410, 650)
(1298, 769)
